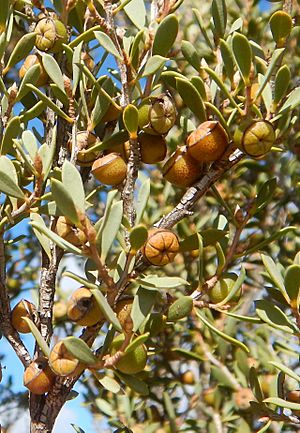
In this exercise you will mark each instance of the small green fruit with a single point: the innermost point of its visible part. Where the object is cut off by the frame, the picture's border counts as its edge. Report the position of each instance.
(180, 308)
(131, 362)
(51, 34)
(222, 288)
(157, 115)
(255, 138)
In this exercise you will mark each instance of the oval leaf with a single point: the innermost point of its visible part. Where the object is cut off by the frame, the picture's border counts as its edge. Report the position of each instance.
(80, 350)
(165, 35)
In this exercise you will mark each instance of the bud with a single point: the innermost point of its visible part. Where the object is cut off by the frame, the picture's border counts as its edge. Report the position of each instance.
(62, 362)
(180, 308)
(110, 169)
(255, 138)
(85, 140)
(157, 115)
(38, 377)
(51, 34)
(32, 60)
(181, 169)
(83, 308)
(153, 148)
(208, 142)
(22, 309)
(161, 247)
(123, 311)
(68, 231)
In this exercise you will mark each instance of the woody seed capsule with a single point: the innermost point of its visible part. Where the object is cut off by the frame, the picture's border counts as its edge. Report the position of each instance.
(161, 247)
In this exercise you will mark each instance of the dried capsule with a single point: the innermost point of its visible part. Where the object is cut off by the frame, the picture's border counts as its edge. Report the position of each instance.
(208, 142)
(84, 140)
(83, 308)
(255, 138)
(157, 114)
(110, 169)
(22, 309)
(123, 311)
(62, 362)
(153, 148)
(242, 398)
(188, 378)
(32, 60)
(68, 231)
(161, 247)
(181, 169)
(51, 34)
(38, 376)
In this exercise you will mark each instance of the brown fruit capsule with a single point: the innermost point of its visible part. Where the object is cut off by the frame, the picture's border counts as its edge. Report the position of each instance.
(85, 140)
(181, 169)
(157, 115)
(242, 398)
(38, 376)
(153, 148)
(255, 138)
(161, 247)
(51, 34)
(83, 308)
(122, 148)
(68, 231)
(62, 362)
(59, 311)
(208, 142)
(22, 309)
(123, 311)
(110, 169)
(32, 60)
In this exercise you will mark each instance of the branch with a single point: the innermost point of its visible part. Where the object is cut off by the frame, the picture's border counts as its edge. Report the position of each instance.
(197, 191)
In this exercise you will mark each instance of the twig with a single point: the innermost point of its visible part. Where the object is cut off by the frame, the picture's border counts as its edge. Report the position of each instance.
(197, 191)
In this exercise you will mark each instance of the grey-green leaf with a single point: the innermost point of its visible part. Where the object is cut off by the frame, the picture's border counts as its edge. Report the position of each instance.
(106, 42)
(142, 305)
(106, 309)
(219, 16)
(64, 200)
(153, 65)
(72, 181)
(8, 178)
(243, 55)
(273, 316)
(111, 228)
(53, 70)
(165, 35)
(191, 98)
(80, 350)
(191, 55)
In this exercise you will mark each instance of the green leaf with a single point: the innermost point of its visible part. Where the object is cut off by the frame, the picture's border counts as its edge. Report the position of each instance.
(191, 98)
(142, 199)
(20, 51)
(131, 120)
(242, 318)
(67, 246)
(243, 55)
(53, 70)
(143, 303)
(292, 101)
(221, 334)
(275, 275)
(273, 64)
(219, 16)
(285, 370)
(187, 354)
(33, 112)
(8, 178)
(81, 280)
(107, 44)
(136, 12)
(47, 154)
(292, 284)
(281, 26)
(38, 336)
(227, 59)
(255, 385)
(111, 228)
(191, 55)
(12, 131)
(31, 76)
(110, 384)
(138, 341)
(199, 20)
(200, 86)
(209, 237)
(30, 144)
(264, 195)
(106, 309)
(273, 316)
(43, 240)
(80, 350)
(137, 237)
(72, 181)
(165, 35)
(4, 14)
(64, 201)
(282, 403)
(282, 82)
(235, 288)
(153, 65)
(155, 282)
(50, 103)
(134, 383)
